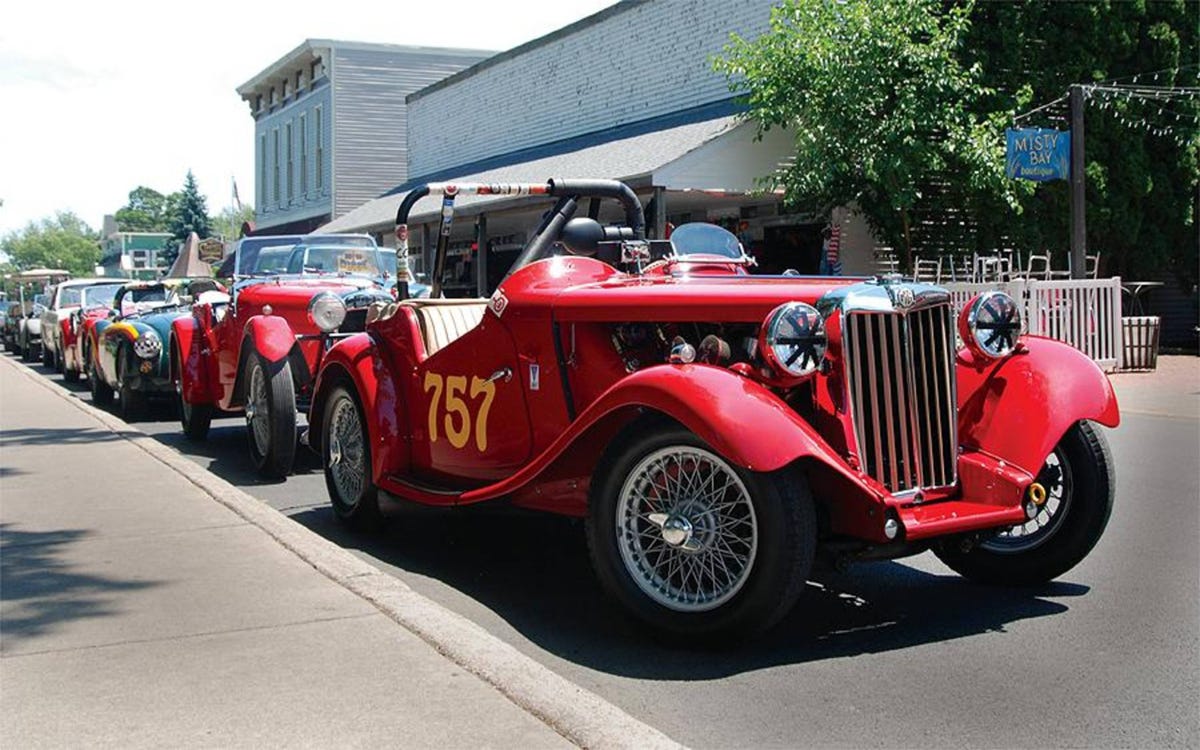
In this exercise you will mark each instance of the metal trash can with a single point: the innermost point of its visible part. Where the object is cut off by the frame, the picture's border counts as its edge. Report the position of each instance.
(1139, 336)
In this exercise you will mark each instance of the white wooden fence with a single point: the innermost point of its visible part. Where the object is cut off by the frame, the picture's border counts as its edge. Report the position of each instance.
(1085, 313)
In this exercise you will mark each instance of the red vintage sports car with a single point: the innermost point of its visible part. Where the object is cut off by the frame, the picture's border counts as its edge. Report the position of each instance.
(257, 352)
(718, 430)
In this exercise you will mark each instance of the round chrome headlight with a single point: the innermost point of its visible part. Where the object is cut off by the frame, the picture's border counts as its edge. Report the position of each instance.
(990, 324)
(147, 345)
(792, 340)
(327, 311)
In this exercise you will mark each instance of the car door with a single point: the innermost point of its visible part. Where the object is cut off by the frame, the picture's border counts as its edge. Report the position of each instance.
(470, 421)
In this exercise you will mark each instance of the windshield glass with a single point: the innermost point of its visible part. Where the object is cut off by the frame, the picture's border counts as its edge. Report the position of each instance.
(705, 239)
(353, 260)
(70, 296)
(100, 296)
(271, 260)
(248, 250)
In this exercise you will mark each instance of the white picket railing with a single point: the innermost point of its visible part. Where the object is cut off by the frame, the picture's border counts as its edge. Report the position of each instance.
(1085, 313)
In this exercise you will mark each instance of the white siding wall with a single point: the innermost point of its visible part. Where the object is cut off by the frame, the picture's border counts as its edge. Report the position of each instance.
(643, 61)
(371, 138)
(272, 208)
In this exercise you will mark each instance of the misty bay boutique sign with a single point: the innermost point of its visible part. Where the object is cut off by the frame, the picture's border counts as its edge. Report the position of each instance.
(1038, 154)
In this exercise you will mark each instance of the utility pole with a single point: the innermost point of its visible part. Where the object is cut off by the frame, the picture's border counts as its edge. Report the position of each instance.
(1078, 187)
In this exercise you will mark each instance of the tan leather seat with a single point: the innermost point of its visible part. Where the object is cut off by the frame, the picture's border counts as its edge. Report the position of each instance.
(442, 323)
(442, 320)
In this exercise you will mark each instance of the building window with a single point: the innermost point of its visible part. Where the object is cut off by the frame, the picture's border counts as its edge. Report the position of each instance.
(316, 71)
(262, 170)
(299, 80)
(275, 165)
(273, 99)
(258, 104)
(142, 259)
(286, 89)
(319, 136)
(303, 157)
(289, 175)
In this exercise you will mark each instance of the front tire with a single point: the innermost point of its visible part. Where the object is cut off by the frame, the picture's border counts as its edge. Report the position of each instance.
(1079, 480)
(102, 393)
(132, 402)
(697, 548)
(346, 457)
(195, 418)
(271, 416)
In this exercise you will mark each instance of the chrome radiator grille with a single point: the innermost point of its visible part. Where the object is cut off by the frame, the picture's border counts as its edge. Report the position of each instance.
(900, 375)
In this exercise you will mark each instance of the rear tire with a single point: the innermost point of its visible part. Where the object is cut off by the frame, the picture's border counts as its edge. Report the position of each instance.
(699, 549)
(47, 356)
(271, 416)
(1079, 479)
(346, 458)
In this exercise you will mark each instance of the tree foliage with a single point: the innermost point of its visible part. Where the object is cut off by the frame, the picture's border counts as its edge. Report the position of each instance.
(189, 215)
(147, 211)
(64, 241)
(880, 103)
(899, 108)
(1141, 187)
(227, 224)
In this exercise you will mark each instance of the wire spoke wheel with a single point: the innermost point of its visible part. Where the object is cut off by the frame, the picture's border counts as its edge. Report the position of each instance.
(686, 529)
(1056, 477)
(258, 411)
(346, 457)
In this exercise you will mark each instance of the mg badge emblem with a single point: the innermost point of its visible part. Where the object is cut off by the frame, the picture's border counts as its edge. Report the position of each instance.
(904, 298)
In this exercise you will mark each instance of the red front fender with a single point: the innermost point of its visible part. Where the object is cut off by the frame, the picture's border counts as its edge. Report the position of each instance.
(271, 336)
(743, 421)
(356, 361)
(1019, 408)
(192, 364)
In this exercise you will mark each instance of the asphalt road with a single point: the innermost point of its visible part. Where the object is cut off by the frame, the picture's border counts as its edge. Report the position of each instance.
(894, 654)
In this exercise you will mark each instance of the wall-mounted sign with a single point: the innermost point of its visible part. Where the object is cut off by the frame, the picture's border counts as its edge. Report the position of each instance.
(212, 250)
(1038, 154)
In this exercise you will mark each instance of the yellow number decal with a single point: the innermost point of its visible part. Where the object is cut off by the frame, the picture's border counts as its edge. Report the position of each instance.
(433, 381)
(458, 430)
(457, 384)
(488, 389)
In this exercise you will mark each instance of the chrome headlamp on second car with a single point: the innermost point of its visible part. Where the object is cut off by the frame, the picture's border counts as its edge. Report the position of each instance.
(792, 340)
(990, 324)
(327, 311)
(148, 345)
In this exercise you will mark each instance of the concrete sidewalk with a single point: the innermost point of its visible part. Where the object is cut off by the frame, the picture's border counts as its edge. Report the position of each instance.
(137, 611)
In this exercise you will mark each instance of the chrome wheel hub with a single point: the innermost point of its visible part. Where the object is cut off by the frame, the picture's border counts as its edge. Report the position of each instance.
(686, 529)
(1056, 477)
(347, 457)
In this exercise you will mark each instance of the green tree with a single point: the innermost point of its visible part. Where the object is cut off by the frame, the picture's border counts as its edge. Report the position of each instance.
(64, 241)
(228, 223)
(1142, 185)
(189, 215)
(880, 104)
(899, 109)
(147, 211)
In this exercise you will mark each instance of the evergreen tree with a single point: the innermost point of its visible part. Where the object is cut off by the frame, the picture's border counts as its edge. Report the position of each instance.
(190, 215)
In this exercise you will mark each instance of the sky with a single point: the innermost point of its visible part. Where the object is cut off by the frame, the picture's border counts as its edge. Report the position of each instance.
(101, 97)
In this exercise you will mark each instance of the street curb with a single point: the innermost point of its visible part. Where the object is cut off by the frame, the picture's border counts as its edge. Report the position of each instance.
(577, 714)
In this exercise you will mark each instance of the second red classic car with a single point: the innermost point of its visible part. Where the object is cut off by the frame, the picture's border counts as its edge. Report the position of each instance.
(257, 351)
(718, 430)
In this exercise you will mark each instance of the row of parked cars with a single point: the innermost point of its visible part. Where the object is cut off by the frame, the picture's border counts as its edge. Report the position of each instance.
(717, 430)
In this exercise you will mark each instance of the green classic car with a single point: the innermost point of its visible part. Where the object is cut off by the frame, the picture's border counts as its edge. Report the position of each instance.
(129, 349)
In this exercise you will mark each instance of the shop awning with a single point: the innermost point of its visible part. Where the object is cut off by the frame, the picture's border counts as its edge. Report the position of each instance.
(718, 156)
